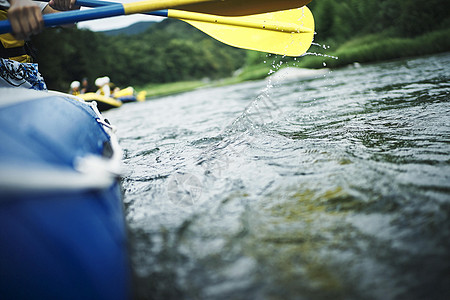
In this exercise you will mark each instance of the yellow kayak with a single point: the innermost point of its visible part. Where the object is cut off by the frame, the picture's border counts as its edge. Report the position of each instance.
(128, 95)
(103, 103)
(119, 97)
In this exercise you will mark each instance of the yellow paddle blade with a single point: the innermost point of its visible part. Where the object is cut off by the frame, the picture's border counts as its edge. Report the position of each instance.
(241, 7)
(287, 32)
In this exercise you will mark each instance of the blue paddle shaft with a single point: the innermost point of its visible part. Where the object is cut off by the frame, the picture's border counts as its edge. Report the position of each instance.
(107, 9)
(99, 3)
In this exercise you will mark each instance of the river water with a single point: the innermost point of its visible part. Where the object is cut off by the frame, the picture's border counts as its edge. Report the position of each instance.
(330, 188)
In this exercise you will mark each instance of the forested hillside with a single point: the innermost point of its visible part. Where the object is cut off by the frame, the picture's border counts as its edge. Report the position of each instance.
(172, 50)
(168, 51)
(136, 28)
(345, 19)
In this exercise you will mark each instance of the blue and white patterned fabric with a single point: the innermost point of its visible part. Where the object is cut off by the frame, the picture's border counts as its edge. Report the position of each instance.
(26, 75)
(4, 4)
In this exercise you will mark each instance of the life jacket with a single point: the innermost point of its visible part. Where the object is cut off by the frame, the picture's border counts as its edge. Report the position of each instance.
(13, 49)
(105, 90)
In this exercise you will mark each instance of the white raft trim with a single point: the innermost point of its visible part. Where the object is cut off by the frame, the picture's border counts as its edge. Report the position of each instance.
(91, 172)
(13, 180)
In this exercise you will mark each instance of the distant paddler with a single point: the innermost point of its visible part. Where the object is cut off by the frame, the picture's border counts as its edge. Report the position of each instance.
(75, 88)
(102, 84)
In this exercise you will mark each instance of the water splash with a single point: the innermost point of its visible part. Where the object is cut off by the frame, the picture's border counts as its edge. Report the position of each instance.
(325, 47)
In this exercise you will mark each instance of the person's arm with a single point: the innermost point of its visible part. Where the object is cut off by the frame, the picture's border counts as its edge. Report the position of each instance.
(62, 4)
(55, 6)
(25, 17)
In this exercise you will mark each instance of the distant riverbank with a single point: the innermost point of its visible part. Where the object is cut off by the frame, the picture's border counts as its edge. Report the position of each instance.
(380, 47)
(367, 49)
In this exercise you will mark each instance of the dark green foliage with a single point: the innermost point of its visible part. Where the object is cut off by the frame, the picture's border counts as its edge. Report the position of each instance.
(168, 51)
(345, 19)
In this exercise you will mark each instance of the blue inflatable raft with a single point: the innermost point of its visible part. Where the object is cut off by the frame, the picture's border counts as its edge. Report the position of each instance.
(62, 227)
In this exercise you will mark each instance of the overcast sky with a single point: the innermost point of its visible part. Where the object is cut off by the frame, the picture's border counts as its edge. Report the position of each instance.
(116, 22)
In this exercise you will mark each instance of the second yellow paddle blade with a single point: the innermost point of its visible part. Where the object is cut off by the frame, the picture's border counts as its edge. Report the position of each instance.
(288, 32)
